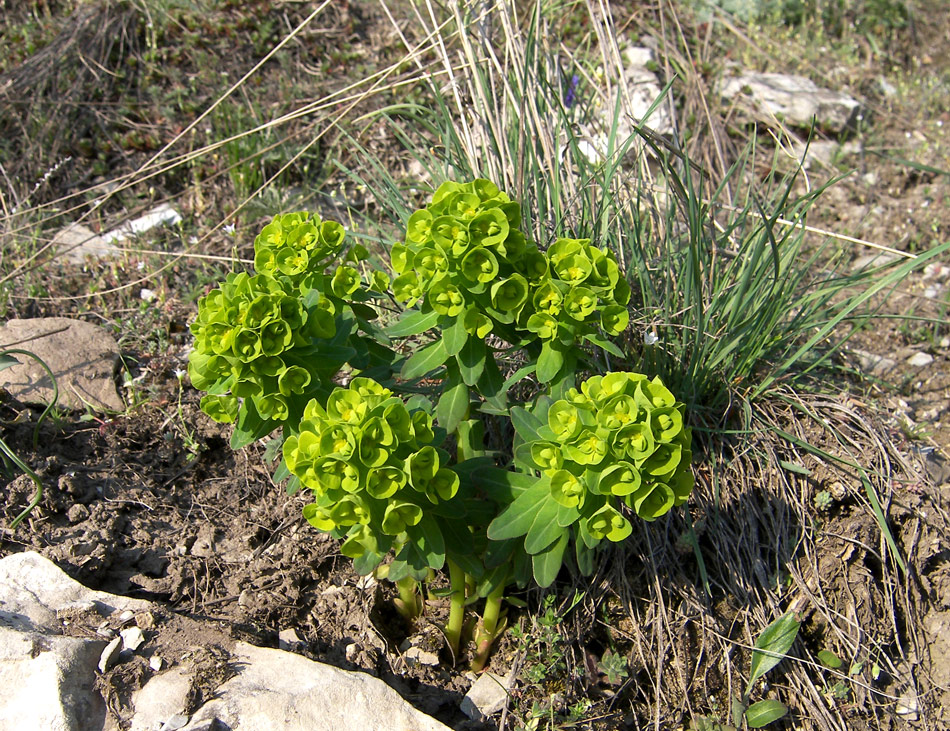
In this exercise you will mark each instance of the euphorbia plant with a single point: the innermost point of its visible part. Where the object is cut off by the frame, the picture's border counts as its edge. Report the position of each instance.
(409, 494)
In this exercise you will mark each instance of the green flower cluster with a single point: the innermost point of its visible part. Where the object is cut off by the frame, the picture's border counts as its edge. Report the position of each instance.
(255, 336)
(620, 438)
(466, 258)
(373, 470)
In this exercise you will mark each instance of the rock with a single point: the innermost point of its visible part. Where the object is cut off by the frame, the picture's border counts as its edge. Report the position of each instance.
(418, 656)
(76, 242)
(33, 589)
(132, 638)
(877, 259)
(161, 215)
(275, 690)
(794, 100)
(174, 723)
(488, 695)
(161, 700)
(156, 662)
(110, 655)
(49, 680)
(872, 363)
(641, 102)
(919, 360)
(82, 357)
(288, 639)
(644, 89)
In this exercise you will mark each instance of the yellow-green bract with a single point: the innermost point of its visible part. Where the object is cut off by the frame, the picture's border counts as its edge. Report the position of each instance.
(261, 341)
(373, 473)
(465, 258)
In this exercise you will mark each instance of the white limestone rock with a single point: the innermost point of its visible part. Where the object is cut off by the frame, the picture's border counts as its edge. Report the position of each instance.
(278, 691)
(794, 100)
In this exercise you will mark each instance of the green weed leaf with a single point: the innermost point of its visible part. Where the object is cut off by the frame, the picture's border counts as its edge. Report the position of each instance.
(764, 712)
(772, 645)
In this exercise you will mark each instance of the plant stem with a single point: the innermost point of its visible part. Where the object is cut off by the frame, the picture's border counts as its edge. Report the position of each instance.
(453, 628)
(409, 603)
(488, 631)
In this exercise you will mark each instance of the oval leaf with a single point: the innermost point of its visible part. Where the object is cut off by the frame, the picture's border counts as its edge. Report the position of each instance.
(546, 565)
(412, 322)
(425, 360)
(772, 645)
(764, 712)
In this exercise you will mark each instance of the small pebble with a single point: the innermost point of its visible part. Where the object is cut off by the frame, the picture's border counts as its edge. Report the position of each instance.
(145, 620)
(288, 639)
(351, 651)
(179, 720)
(418, 656)
(156, 662)
(126, 616)
(132, 638)
(109, 655)
(919, 360)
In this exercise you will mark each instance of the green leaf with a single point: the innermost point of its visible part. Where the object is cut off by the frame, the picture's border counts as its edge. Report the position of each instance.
(425, 360)
(412, 322)
(829, 659)
(7, 361)
(549, 362)
(544, 529)
(525, 423)
(428, 541)
(547, 564)
(772, 645)
(250, 426)
(794, 467)
(585, 557)
(604, 344)
(471, 360)
(455, 337)
(517, 519)
(453, 404)
(491, 385)
(764, 712)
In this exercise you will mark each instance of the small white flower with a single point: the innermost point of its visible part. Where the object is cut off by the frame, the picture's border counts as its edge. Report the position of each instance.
(147, 294)
(650, 338)
(180, 373)
(229, 229)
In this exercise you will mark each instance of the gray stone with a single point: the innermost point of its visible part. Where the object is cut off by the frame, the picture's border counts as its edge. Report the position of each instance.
(418, 656)
(161, 699)
(76, 242)
(794, 100)
(279, 691)
(919, 360)
(162, 215)
(132, 638)
(874, 260)
(872, 363)
(488, 695)
(54, 676)
(82, 357)
(110, 655)
(49, 680)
